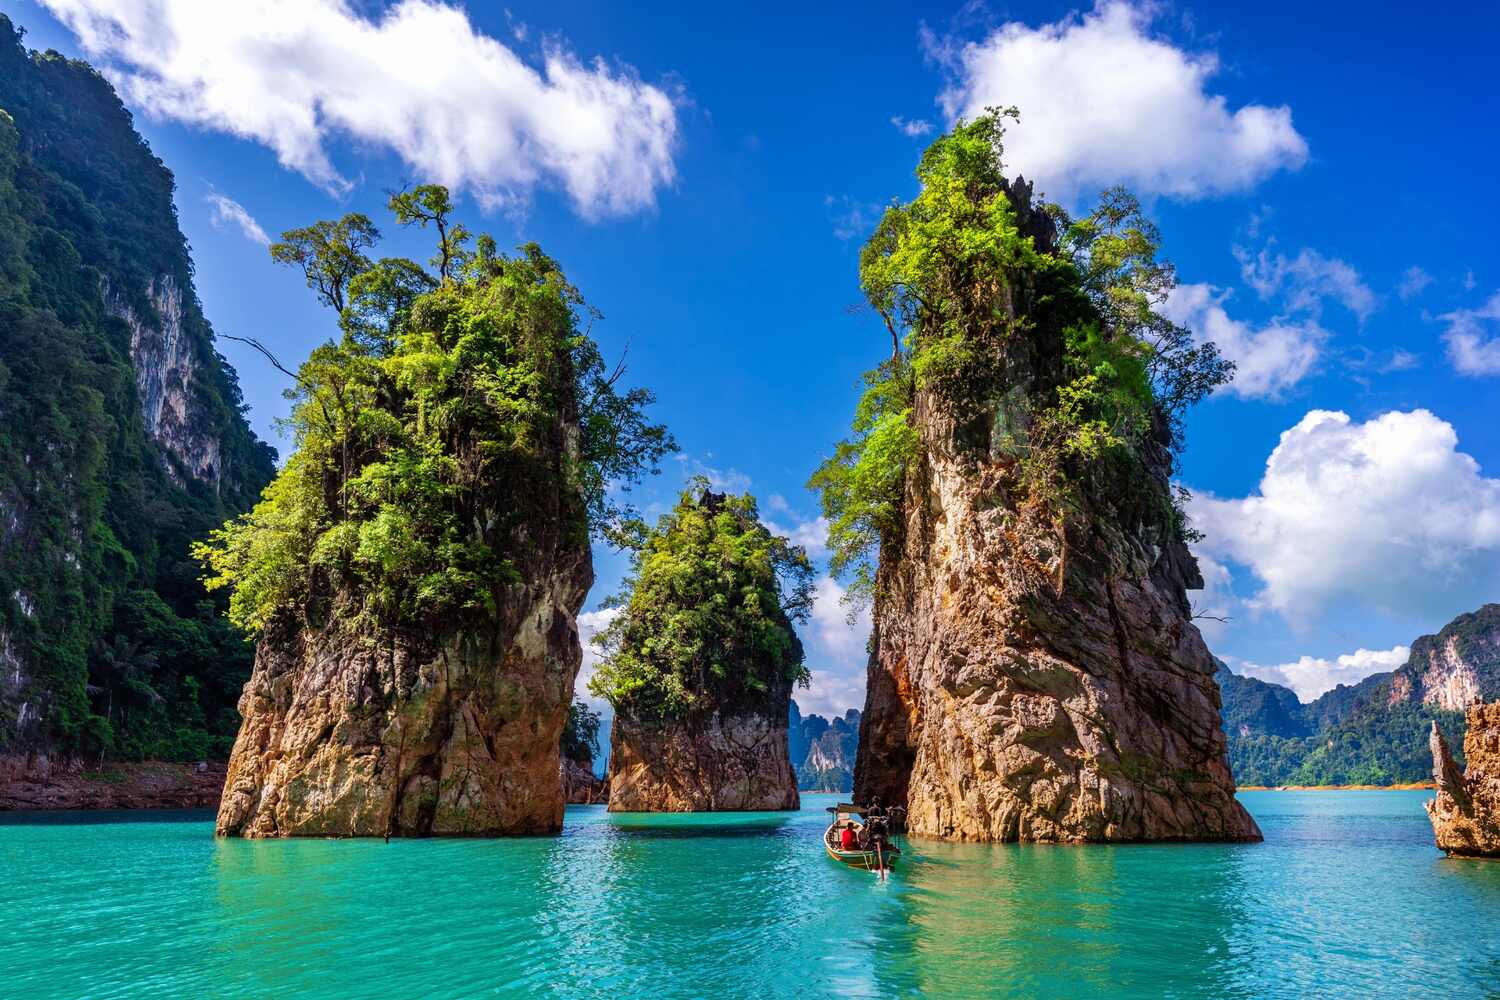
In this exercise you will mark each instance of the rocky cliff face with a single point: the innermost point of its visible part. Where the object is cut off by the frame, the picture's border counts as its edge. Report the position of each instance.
(1465, 814)
(1031, 685)
(411, 733)
(1455, 668)
(167, 367)
(711, 763)
(580, 785)
(121, 439)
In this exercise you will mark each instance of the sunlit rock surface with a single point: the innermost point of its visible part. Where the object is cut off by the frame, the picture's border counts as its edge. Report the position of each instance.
(1465, 813)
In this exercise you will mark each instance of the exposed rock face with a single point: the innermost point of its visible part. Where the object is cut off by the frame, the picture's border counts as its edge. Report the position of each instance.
(34, 782)
(702, 764)
(580, 785)
(1455, 668)
(827, 761)
(1026, 686)
(166, 366)
(1466, 812)
(415, 734)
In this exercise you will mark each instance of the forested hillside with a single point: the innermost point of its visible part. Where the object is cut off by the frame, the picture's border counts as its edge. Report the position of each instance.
(122, 437)
(1371, 733)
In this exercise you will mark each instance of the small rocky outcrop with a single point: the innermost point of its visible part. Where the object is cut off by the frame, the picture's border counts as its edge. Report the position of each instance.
(1465, 814)
(581, 786)
(700, 662)
(709, 764)
(36, 782)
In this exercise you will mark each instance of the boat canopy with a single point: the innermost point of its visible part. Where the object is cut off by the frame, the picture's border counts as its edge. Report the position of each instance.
(846, 807)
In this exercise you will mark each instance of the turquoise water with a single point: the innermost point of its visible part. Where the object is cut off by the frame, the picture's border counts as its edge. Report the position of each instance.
(1347, 896)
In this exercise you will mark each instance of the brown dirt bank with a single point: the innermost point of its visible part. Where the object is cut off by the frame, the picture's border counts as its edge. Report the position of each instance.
(28, 785)
(1411, 786)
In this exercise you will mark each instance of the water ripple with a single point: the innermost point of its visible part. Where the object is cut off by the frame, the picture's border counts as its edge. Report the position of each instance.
(1347, 896)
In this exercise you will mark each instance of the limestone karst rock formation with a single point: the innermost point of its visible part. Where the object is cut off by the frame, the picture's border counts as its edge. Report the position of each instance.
(416, 571)
(1035, 672)
(731, 763)
(122, 438)
(413, 734)
(1015, 696)
(580, 785)
(1465, 814)
(701, 662)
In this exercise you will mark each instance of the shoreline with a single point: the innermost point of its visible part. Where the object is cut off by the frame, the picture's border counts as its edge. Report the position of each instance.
(45, 786)
(1411, 786)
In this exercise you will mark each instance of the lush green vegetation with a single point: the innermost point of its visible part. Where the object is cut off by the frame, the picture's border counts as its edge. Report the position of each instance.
(433, 441)
(1049, 352)
(1352, 735)
(706, 619)
(580, 735)
(112, 648)
(1373, 746)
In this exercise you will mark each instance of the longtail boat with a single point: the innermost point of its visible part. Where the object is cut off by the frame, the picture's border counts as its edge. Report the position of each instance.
(875, 857)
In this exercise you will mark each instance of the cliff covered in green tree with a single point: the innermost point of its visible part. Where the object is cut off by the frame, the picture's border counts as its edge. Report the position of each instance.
(1005, 499)
(1375, 732)
(700, 663)
(122, 437)
(413, 575)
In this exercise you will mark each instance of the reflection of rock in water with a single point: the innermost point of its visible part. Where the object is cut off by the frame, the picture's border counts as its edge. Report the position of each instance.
(1035, 922)
(678, 886)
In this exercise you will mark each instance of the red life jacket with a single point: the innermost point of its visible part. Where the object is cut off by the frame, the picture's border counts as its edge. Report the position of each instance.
(846, 838)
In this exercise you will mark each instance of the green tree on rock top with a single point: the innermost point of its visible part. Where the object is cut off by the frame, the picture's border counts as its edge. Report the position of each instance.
(706, 619)
(426, 437)
(1040, 336)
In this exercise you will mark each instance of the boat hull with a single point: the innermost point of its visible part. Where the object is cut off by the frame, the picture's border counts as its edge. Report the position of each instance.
(860, 859)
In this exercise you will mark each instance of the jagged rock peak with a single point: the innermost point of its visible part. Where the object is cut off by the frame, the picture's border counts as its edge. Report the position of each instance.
(1465, 813)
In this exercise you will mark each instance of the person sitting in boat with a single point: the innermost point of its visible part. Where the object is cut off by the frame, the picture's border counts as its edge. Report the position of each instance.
(846, 838)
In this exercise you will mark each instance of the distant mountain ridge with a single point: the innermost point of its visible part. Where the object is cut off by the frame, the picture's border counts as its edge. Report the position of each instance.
(1372, 732)
(823, 751)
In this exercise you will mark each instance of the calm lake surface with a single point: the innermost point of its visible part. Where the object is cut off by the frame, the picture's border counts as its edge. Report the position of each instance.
(1347, 896)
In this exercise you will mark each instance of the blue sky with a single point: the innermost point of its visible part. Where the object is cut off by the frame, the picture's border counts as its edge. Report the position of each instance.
(1323, 178)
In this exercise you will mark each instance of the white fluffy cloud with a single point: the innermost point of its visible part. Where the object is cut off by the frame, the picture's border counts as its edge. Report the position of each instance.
(1311, 676)
(831, 693)
(1268, 360)
(832, 632)
(1473, 338)
(1413, 282)
(459, 107)
(835, 652)
(1105, 101)
(912, 128)
(590, 624)
(1305, 281)
(228, 212)
(1387, 513)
